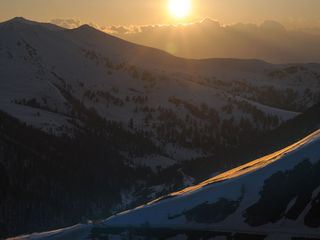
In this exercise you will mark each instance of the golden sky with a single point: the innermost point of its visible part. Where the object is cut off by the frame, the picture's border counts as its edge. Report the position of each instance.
(127, 12)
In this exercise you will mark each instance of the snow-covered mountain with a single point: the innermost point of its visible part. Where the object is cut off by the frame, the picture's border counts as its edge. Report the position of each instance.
(120, 118)
(273, 197)
(182, 105)
(276, 194)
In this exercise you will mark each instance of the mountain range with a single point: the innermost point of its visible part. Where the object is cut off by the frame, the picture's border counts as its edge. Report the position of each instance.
(92, 125)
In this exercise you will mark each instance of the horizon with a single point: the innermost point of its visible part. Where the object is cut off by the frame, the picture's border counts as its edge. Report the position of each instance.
(235, 41)
(301, 14)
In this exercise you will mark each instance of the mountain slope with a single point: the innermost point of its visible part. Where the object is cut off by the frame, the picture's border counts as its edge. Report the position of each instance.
(276, 196)
(284, 135)
(180, 104)
(41, 176)
(278, 193)
(76, 232)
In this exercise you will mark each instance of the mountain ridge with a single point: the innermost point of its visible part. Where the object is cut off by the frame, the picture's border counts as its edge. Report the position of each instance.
(87, 27)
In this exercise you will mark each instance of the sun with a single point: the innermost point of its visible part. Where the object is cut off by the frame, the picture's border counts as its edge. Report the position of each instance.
(179, 8)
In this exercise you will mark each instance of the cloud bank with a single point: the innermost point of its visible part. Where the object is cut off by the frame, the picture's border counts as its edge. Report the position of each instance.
(269, 41)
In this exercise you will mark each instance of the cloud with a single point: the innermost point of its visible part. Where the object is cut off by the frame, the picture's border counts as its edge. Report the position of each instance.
(270, 40)
(270, 25)
(140, 29)
(67, 23)
(74, 23)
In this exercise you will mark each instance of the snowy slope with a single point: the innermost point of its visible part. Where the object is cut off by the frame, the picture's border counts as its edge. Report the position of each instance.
(36, 59)
(278, 193)
(235, 202)
(41, 65)
(45, 69)
(77, 232)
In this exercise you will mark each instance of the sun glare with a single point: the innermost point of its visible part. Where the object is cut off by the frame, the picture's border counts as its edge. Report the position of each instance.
(180, 8)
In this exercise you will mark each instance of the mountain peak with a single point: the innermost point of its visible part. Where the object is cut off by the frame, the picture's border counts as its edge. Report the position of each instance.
(20, 20)
(86, 27)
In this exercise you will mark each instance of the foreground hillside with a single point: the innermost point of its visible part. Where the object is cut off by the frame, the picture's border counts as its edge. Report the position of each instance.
(276, 195)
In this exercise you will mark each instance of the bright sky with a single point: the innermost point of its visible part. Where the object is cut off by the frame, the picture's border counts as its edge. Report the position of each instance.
(127, 12)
